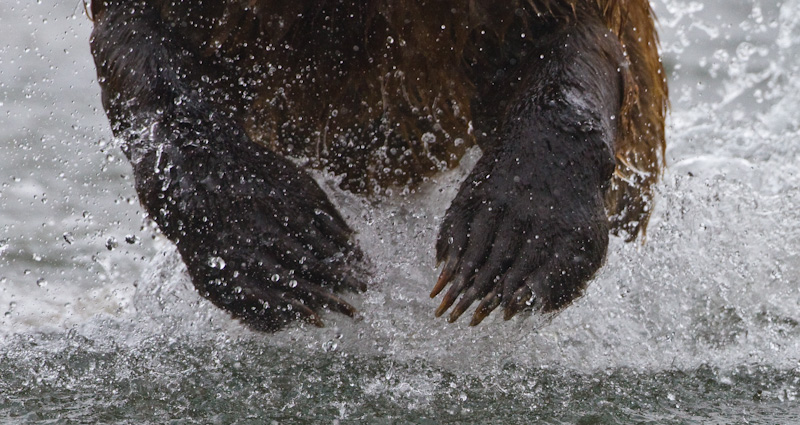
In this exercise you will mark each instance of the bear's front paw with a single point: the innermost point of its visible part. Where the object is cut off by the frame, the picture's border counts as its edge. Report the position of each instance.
(258, 235)
(269, 248)
(523, 243)
(270, 255)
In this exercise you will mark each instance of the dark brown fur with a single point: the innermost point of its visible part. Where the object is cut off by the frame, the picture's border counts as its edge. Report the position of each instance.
(399, 95)
(388, 93)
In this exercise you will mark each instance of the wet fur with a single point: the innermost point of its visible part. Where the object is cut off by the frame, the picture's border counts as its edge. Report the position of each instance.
(411, 101)
(384, 94)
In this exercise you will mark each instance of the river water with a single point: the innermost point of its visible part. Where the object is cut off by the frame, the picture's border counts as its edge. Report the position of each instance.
(700, 325)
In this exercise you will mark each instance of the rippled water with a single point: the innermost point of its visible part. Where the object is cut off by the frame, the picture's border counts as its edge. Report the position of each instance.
(699, 325)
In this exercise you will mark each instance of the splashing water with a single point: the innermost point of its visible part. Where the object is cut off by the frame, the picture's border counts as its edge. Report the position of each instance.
(701, 324)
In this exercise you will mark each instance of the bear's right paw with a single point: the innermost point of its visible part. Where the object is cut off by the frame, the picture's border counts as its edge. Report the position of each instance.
(516, 239)
(258, 235)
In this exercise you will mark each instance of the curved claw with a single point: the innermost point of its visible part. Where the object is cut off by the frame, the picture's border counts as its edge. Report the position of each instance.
(523, 298)
(444, 278)
(306, 313)
(490, 302)
(326, 299)
(462, 273)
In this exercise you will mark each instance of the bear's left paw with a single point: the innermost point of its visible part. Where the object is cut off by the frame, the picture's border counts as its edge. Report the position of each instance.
(523, 243)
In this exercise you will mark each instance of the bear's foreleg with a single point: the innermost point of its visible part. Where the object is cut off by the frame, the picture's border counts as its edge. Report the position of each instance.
(528, 228)
(259, 237)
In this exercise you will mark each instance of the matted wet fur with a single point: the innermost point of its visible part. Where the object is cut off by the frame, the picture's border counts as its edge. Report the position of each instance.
(388, 93)
(401, 76)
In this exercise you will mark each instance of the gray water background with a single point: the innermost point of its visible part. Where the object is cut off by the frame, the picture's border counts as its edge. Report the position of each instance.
(701, 324)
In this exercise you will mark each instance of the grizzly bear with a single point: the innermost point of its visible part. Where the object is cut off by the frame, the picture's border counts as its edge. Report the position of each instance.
(215, 102)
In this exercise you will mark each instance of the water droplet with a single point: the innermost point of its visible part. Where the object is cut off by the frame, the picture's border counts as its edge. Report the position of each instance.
(329, 346)
(69, 238)
(41, 282)
(216, 263)
(111, 243)
(276, 277)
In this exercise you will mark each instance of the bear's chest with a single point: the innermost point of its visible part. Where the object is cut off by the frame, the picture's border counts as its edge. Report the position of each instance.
(379, 92)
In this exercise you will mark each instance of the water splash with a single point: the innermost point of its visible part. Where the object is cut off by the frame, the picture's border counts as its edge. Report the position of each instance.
(698, 325)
